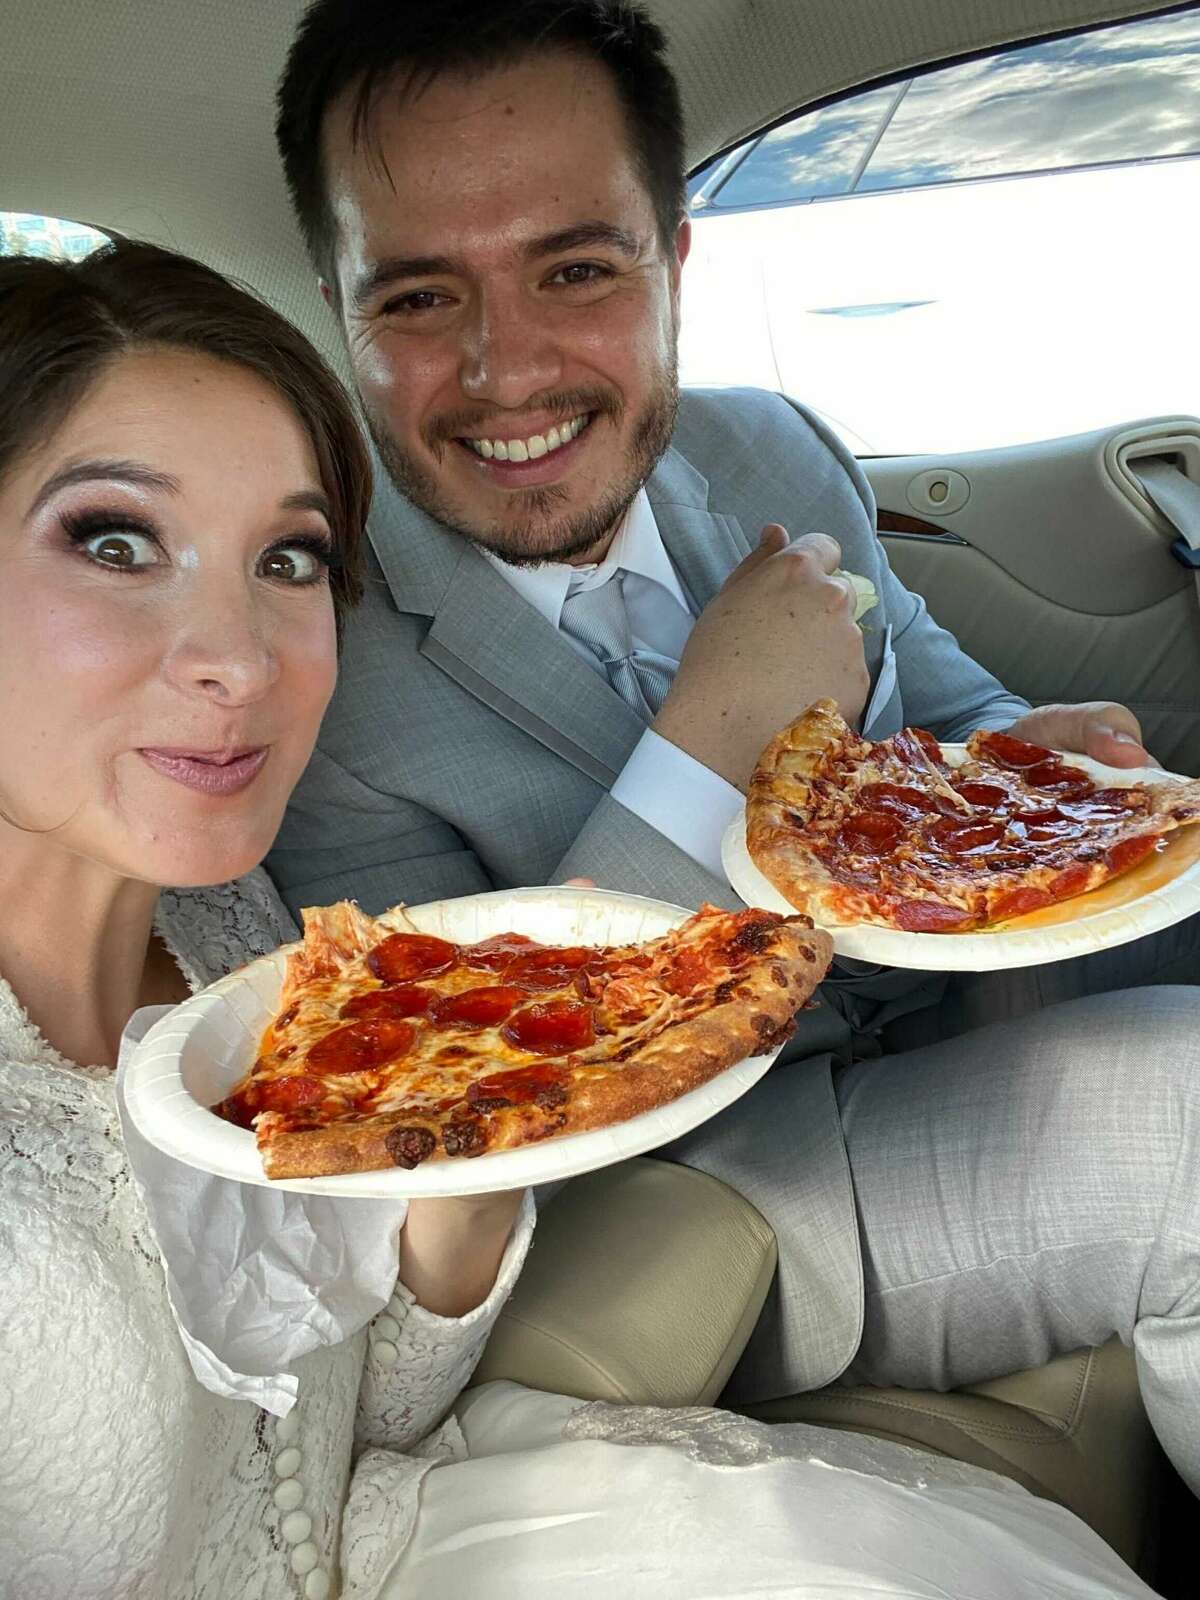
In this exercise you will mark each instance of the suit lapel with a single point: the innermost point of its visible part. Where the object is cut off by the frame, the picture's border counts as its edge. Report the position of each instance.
(492, 641)
(704, 545)
(496, 646)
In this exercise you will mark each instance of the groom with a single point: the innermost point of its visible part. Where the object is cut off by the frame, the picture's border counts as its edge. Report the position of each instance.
(584, 621)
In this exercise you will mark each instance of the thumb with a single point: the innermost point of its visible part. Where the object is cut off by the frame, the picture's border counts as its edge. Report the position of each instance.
(1112, 735)
(773, 539)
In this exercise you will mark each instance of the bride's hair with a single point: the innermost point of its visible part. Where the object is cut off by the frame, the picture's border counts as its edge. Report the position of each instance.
(62, 323)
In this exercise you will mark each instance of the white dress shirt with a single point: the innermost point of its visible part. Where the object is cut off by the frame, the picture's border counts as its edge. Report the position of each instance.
(677, 796)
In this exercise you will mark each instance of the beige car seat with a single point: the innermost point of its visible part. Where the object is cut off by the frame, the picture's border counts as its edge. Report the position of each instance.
(642, 1287)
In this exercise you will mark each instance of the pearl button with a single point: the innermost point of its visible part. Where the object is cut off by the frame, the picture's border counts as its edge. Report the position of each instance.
(287, 1429)
(289, 1494)
(397, 1307)
(304, 1558)
(287, 1462)
(316, 1585)
(296, 1527)
(385, 1351)
(387, 1327)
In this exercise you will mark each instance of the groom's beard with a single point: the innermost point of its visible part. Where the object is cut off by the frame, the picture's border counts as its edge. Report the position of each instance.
(541, 525)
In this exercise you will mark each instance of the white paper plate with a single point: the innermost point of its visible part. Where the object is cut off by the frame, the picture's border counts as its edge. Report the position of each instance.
(193, 1057)
(1096, 927)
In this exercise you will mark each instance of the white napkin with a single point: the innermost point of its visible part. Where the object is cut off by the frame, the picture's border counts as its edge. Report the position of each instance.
(257, 1277)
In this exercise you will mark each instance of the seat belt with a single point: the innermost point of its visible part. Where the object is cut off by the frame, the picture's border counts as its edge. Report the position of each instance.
(1177, 497)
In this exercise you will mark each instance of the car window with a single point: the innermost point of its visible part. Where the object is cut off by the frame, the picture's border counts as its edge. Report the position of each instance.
(22, 234)
(1121, 94)
(818, 154)
(997, 252)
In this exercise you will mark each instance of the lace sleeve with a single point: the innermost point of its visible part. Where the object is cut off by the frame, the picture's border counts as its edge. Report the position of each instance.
(215, 930)
(419, 1363)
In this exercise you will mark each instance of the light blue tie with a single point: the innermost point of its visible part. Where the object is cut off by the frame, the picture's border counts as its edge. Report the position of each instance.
(598, 619)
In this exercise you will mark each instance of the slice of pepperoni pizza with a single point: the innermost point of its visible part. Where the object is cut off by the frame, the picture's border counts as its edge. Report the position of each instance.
(392, 1047)
(891, 833)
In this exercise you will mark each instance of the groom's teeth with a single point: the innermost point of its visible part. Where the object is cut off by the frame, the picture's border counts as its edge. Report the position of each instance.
(533, 448)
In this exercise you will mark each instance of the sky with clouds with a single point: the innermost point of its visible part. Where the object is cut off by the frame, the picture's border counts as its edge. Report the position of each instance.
(1121, 93)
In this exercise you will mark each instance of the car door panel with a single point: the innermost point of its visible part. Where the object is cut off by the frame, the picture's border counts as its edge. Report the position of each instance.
(1056, 572)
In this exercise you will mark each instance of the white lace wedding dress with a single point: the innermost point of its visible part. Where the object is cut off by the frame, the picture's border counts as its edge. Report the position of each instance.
(121, 1478)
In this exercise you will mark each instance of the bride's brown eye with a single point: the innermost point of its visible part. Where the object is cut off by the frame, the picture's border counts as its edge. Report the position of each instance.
(116, 552)
(124, 550)
(294, 563)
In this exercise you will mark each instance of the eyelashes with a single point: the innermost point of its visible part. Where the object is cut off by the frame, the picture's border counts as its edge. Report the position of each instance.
(317, 545)
(80, 526)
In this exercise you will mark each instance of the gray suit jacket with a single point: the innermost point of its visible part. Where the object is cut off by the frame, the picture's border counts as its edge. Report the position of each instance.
(469, 747)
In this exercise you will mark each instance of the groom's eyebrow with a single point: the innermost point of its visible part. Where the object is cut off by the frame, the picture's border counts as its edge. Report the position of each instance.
(131, 472)
(397, 269)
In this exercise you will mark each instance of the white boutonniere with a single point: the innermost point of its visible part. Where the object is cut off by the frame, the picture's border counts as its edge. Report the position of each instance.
(865, 597)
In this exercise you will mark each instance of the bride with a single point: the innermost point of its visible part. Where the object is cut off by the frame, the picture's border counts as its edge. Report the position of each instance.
(182, 494)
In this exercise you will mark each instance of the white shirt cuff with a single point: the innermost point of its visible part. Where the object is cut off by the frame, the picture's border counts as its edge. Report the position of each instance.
(679, 797)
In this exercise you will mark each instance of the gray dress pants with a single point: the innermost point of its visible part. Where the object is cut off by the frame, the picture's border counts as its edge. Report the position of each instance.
(1032, 1186)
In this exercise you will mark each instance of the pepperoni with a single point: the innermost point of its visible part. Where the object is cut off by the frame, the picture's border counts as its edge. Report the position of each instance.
(478, 1008)
(870, 833)
(958, 837)
(931, 916)
(896, 798)
(1043, 827)
(548, 968)
(1016, 902)
(1107, 805)
(1067, 782)
(540, 1084)
(1124, 855)
(551, 1027)
(1017, 754)
(403, 956)
(361, 1046)
(1071, 880)
(989, 795)
(688, 971)
(282, 1094)
(290, 1094)
(240, 1109)
(918, 747)
(494, 954)
(402, 1000)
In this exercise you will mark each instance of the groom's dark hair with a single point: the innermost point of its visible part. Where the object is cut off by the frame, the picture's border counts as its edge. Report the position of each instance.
(361, 48)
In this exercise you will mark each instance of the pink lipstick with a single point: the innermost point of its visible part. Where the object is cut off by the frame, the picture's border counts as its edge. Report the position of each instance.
(210, 772)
